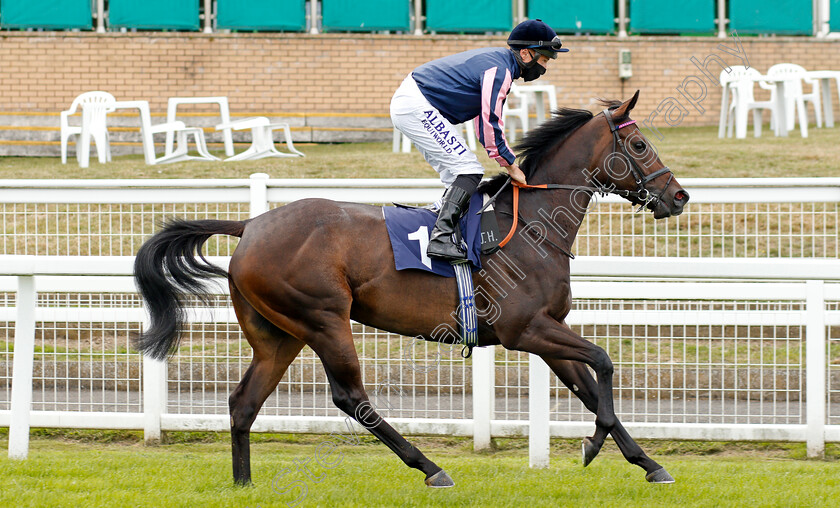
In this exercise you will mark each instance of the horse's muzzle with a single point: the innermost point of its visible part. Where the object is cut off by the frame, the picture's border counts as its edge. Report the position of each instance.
(669, 206)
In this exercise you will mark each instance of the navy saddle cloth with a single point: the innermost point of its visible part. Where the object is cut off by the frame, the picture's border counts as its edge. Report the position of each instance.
(410, 229)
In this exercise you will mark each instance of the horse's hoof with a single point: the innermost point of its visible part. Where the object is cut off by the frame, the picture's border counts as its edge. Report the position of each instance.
(590, 451)
(659, 476)
(440, 480)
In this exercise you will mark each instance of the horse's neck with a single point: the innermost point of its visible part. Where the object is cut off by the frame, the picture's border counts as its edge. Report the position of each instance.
(561, 211)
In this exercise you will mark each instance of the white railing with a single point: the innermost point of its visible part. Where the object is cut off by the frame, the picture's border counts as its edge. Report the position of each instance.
(809, 282)
(729, 354)
(750, 217)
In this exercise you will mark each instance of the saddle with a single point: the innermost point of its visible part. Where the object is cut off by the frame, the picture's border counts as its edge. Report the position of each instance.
(489, 235)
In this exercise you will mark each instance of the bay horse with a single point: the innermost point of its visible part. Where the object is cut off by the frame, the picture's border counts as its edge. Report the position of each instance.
(303, 271)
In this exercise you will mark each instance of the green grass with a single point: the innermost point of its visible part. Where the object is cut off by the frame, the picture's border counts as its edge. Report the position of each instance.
(689, 151)
(115, 469)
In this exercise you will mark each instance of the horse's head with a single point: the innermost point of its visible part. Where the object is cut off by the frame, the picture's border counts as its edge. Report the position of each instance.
(626, 164)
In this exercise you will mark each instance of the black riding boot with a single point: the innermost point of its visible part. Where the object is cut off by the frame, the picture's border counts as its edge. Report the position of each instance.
(445, 241)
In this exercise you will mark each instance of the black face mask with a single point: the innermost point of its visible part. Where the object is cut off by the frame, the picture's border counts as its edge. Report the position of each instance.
(531, 70)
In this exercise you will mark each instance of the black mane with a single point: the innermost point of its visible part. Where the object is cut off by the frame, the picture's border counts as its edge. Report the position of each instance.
(538, 141)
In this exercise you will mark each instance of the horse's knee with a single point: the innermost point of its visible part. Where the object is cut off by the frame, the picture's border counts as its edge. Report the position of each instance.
(601, 362)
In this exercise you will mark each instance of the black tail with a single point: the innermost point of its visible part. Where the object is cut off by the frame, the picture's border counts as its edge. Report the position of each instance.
(166, 270)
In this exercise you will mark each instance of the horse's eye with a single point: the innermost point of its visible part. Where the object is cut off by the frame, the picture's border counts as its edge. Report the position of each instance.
(639, 145)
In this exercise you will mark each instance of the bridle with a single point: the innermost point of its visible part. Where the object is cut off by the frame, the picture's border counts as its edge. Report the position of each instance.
(641, 196)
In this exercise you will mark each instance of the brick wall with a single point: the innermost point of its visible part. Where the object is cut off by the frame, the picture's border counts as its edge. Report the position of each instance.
(329, 74)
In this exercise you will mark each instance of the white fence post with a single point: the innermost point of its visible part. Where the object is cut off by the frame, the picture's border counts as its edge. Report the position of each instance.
(154, 398)
(100, 16)
(483, 393)
(22, 365)
(418, 17)
(313, 17)
(539, 402)
(622, 18)
(518, 11)
(721, 18)
(815, 367)
(208, 19)
(154, 394)
(259, 194)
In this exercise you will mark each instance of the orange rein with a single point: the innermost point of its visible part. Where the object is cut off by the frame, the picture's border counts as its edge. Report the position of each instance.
(516, 186)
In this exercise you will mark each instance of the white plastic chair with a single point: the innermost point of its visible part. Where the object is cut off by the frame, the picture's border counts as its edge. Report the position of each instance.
(741, 82)
(520, 113)
(180, 153)
(794, 95)
(95, 108)
(262, 138)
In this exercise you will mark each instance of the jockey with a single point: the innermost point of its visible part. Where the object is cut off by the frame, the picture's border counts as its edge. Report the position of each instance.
(465, 86)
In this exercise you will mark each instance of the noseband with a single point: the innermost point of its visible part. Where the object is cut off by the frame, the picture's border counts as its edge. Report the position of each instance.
(641, 196)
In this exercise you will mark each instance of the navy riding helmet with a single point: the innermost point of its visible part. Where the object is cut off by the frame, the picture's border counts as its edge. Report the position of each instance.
(535, 34)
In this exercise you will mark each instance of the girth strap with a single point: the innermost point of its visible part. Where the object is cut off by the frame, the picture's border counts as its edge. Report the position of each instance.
(467, 314)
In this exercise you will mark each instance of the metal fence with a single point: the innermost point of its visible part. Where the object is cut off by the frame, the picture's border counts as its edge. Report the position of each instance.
(693, 358)
(702, 354)
(744, 217)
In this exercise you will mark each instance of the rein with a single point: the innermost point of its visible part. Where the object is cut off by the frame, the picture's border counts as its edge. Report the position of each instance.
(549, 186)
(641, 194)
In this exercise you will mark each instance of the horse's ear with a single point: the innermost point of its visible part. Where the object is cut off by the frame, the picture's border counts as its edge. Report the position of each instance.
(624, 110)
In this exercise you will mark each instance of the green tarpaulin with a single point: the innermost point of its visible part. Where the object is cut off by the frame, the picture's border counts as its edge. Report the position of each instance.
(670, 17)
(469, 15)
(791, 17)
(368, 16)
(834, 13)
(154, 14)
(289, 15)
(45, 14)
(593, 16)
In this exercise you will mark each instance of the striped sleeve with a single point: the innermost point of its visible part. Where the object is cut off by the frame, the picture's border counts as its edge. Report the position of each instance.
(489, 126)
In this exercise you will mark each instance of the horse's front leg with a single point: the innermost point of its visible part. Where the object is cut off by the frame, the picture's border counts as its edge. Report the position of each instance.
(552, 339)
(577, 378)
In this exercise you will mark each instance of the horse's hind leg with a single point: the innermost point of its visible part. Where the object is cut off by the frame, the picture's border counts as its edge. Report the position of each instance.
(577, 378)
(334, 345)
(274, 350)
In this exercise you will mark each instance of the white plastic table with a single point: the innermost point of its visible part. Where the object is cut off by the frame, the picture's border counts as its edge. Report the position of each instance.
(825, 78)
(224, 112)
(780, 127)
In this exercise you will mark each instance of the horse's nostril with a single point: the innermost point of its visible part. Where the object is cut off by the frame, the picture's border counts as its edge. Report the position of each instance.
(680, 197)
